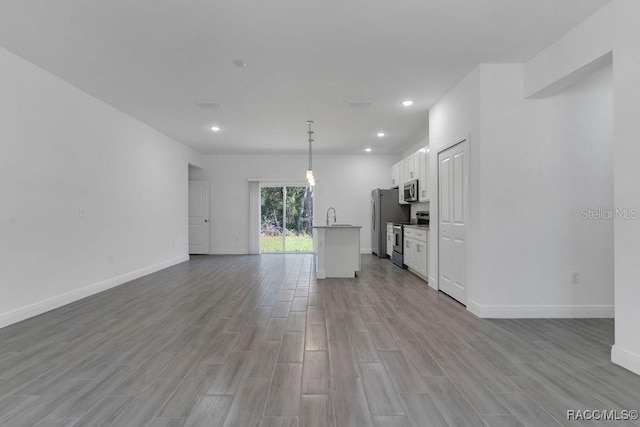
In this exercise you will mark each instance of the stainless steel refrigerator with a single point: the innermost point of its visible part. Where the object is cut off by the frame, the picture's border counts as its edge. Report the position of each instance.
(385, 208)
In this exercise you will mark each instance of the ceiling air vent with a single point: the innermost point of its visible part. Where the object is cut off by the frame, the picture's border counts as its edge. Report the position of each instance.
(358, 104)
(208, 104)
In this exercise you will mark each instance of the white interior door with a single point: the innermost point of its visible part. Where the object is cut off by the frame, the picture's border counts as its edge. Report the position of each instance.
(453, 171)
(199, 217)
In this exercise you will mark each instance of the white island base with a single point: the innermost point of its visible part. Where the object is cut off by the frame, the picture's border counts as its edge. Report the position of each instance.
(337, 251)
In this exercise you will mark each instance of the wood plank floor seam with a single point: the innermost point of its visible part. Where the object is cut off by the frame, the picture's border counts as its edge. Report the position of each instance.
(251, 340)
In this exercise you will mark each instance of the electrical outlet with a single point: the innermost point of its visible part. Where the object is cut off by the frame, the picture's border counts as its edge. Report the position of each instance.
(110, 259)
(575, 278)
(80, 213)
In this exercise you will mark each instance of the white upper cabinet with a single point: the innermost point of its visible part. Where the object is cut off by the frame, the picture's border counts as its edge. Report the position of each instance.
(423, 159)
(416, 166)
(395, 176)
(401, 181)
(411, 166)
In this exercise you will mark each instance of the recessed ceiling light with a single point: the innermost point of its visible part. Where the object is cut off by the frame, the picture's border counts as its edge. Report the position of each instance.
(239, 62)
(368, 150)
(215, 128)
(407, 102)
(380, 134)
(208, 104)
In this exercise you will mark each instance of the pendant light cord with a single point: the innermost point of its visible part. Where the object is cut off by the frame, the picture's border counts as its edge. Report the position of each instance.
(310, 132)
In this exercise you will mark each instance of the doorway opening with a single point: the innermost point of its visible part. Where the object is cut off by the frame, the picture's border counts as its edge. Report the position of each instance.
(286, 219)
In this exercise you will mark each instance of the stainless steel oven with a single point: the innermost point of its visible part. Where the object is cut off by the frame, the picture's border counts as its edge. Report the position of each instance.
(397, 257)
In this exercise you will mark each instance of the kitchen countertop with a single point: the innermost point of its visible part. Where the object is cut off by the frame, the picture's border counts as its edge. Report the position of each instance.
(418, 226)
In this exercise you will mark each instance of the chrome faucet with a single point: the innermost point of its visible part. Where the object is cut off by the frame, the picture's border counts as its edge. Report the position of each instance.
(334, 215)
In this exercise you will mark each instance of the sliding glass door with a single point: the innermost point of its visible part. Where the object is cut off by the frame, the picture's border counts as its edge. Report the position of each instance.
(286, 215)
(298, 219)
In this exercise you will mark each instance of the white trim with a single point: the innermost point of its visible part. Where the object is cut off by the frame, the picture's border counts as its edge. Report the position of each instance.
(35, 309)
(366, 251)
(254, 217)
(241, 251)
(540, 311)
(432, 283)
(321, 274)
(452, 144)
(418, 274)
(625, 358)
(269, 182)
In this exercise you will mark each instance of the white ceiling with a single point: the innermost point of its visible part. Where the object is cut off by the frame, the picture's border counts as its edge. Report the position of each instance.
(304, 60)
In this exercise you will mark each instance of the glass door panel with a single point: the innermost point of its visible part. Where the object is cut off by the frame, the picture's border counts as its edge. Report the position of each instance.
(286, 219)
(299, 219)
(272, 219)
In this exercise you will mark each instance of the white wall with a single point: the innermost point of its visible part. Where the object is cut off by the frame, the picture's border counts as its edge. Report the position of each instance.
(64, 151)
(424, 142)
(456, 116)
(543, 161)
(626, 105)
(534, 165)
(573, 56)
(342, 181)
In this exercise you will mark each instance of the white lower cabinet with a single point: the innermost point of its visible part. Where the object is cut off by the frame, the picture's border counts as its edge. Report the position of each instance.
(390, 239)
(415, 249)
(409, 248)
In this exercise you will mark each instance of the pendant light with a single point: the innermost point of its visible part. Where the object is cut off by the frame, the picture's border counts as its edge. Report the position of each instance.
(310, 177)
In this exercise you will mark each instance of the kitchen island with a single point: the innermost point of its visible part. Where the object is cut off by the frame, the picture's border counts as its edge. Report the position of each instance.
(337, 249)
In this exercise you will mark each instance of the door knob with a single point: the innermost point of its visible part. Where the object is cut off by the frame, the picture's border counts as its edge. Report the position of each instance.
(206, 220)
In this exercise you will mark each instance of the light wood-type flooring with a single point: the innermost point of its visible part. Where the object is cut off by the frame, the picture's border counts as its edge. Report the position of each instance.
(257, 340)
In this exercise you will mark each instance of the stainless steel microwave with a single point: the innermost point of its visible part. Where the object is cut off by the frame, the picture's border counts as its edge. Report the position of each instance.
(411, 191)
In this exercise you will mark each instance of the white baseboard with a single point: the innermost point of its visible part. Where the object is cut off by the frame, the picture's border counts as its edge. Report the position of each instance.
(40, 307)
(241, 251)
(432, 283)
(367, 251)
(627, 359)
(540, 311)
(418, 274)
